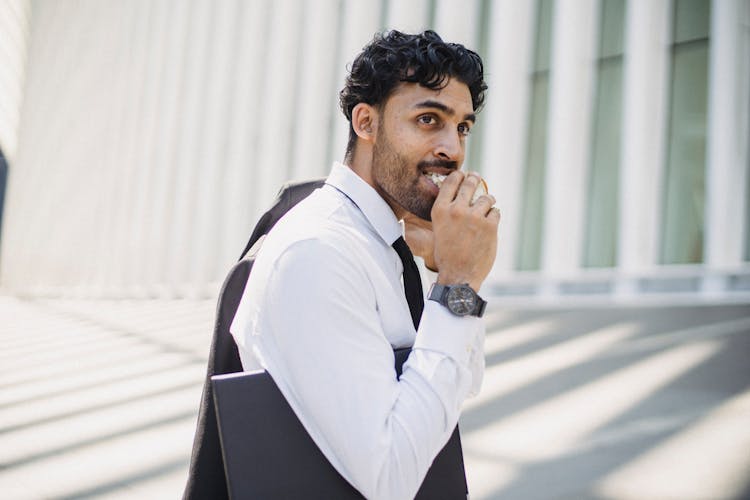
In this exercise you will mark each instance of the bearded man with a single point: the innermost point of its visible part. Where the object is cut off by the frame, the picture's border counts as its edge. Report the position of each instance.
(326, 303)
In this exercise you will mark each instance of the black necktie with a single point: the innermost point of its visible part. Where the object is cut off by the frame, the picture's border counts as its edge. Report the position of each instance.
(412, 282)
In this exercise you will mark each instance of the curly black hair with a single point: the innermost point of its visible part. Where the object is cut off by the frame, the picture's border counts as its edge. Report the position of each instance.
(394, 57)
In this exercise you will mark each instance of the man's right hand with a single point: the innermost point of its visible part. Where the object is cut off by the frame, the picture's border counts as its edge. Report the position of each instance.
(465, 234)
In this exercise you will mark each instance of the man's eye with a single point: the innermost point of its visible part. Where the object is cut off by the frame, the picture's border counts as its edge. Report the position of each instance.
(464, 129)
(427, 119)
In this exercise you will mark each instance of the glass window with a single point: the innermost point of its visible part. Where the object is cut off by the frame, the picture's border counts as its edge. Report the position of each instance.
(692, 20)
(683, 212)
(532, 210)
(600, 244)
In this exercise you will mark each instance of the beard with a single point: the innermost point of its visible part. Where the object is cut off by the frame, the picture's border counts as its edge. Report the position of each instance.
(397, 179)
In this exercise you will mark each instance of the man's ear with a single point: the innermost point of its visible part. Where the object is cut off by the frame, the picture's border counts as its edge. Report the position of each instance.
(365, 121)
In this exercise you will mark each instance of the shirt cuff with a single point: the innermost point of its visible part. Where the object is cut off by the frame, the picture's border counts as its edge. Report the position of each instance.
(444, 332)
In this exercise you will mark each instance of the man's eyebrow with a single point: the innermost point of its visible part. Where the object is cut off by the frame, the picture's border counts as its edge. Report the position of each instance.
(445, 109)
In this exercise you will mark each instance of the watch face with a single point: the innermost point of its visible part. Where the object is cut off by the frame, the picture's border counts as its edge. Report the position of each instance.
(461, 300)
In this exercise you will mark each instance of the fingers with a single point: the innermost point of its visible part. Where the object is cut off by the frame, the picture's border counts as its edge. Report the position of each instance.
(469, 185)
(450, 187)
(494, 215)
(465, 233)
(484, 203)
(459, 187)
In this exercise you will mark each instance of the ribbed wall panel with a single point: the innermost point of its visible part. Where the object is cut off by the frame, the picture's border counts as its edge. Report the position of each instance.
(245, 129)
(154, 132)
(644, 107)
(360, 20)
(410, 16)
(309, 152)
(14, 26)
(568, 133)
(504, 120)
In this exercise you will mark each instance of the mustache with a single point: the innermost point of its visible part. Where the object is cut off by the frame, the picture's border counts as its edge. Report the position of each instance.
(452, 165)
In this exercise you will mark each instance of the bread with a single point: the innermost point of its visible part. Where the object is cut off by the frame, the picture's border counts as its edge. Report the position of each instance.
(481, 188)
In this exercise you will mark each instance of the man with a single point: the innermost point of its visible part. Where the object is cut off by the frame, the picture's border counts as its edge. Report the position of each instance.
(325, 305)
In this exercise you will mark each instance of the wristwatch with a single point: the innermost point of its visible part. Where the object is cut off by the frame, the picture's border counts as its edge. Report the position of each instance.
(461, 300)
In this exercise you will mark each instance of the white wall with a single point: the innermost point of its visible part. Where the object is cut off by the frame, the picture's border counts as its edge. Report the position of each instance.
(153, 132)
(14, 26)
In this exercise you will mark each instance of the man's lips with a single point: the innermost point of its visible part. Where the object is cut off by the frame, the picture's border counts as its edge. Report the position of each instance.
(434, 179)
(438, 167)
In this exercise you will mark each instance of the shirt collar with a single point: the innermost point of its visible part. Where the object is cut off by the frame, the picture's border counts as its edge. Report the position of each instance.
(372, 205)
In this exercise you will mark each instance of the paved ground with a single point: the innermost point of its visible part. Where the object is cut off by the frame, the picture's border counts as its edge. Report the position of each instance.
(98, 400)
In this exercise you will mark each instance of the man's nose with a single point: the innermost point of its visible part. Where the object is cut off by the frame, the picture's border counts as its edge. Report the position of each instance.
(450, 146)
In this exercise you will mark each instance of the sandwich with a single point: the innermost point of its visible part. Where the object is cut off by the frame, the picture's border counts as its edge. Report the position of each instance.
(438, 179)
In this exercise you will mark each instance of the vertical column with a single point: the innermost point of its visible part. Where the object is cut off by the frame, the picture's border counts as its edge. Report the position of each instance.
(361, 20)
(316, 91)
(458, 22)
(152, 16)
(644, 107)
(14, 30)
(14, 19)
(105, 124)
(727, 156)
(17, 258)
(132, 40)
(175, 20)
(140, 143)
(206, 216)
(244, 129)
(409, 17)
(574, 46)
(279, 90)
(504, 120)
(189, 143)
(109, 168)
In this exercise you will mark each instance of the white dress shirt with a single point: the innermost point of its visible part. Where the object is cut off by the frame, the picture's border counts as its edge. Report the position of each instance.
(322, 311)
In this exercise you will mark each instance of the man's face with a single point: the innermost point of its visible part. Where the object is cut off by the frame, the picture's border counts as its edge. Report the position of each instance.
(421, 131)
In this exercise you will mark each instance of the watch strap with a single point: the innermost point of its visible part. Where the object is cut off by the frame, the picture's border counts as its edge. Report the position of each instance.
(439, 293)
